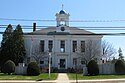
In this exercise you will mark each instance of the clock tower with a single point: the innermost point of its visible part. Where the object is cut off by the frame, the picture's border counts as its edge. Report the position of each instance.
(62, 19)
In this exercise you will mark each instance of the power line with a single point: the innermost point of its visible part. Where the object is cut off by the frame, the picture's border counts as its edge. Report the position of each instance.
(105, 29)
(119, 20)
(123, 27)
(24, 19)
(97, 21)
(112, 34)
(26, 26)
(85, 28)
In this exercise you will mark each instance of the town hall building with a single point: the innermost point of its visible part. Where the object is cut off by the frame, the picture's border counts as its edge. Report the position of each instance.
(61, 43)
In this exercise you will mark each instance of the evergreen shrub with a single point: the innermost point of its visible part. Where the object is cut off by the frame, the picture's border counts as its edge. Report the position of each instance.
(71, 70)
(55, 70)
(120, 67)
(8, 67)
(93, 68)
(33, 69)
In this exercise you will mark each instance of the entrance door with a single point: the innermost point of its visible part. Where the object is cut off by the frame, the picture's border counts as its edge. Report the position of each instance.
(62, 63)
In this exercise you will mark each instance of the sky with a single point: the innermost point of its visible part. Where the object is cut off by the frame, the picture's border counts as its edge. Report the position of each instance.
(78, 10)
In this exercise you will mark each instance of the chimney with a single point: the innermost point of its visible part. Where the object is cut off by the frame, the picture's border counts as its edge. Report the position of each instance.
(34, 27)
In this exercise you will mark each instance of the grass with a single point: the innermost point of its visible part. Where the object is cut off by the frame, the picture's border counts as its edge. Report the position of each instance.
(72, 76)
(43, 76)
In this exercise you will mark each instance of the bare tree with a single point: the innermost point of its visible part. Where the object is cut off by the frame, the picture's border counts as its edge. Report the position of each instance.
(36, 53)
(107, 49)
(92, 50)
(95, 50)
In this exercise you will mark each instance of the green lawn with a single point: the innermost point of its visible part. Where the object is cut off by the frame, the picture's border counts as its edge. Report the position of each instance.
(43, 76)
(72, 76)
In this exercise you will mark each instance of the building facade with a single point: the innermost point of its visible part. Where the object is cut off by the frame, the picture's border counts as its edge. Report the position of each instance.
(64, 44)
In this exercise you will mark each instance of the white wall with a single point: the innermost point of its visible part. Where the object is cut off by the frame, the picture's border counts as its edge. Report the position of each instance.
(106, 68)
(56, 42)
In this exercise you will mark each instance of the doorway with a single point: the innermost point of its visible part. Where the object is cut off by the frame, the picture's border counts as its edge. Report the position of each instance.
(62, 63)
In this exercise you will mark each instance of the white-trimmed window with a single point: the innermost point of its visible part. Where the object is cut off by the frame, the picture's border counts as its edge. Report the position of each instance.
(41, 62)
(82, 46)
(74, 46)
(62, 45)
(42, 45)
(50, 45)
(83, 62)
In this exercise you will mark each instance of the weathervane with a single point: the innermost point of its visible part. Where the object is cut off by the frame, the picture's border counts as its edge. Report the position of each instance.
(62, 6)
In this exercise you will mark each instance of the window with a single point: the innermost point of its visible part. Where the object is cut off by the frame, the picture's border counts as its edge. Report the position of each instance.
(62, 46)
(41, 62)
(74, 61)
(62, 22)
(82, 62)
(82, 46)
(50, 45)
(42, 45)
(74, 47)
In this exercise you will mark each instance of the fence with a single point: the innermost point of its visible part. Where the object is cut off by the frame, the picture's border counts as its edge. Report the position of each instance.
(21, 69)
(105, 68)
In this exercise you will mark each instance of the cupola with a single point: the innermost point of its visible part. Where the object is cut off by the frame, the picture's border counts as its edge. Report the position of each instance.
(62, 18)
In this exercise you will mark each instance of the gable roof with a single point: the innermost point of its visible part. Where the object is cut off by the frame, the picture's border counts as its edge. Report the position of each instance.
(52, 31)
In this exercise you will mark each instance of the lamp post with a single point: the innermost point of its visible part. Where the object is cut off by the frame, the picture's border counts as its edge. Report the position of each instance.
(76, 65)
(76, 70)
(49, 64)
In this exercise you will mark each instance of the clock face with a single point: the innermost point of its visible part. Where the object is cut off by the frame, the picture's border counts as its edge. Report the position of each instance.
(62, 28)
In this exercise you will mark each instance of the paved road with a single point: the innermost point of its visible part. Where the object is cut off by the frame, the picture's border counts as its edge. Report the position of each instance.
(63, 78)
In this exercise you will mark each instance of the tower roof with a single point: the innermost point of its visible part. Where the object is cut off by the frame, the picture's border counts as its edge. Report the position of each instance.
(62, 12)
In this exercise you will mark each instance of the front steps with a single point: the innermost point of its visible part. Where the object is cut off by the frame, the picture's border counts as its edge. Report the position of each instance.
(62, 71)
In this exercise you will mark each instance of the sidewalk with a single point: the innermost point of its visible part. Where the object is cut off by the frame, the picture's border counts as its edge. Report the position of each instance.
(63, 78)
